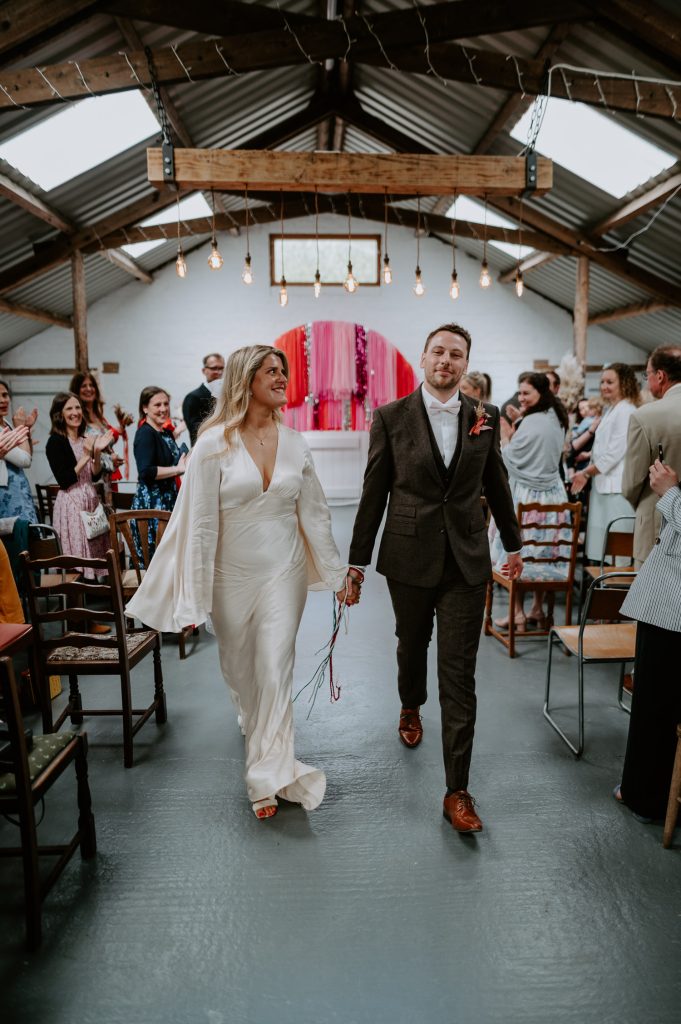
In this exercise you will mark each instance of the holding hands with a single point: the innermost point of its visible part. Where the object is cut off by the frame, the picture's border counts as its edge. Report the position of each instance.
(662, 477)
(352, 589)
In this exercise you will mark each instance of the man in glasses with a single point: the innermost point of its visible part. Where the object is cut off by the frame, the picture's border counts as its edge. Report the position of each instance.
(198, 404)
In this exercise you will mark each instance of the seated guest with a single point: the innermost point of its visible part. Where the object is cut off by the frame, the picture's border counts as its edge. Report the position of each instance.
(654, 600)
(532, 458)
(159, 460)
(15, 457)
(621, 395)
(75, 461)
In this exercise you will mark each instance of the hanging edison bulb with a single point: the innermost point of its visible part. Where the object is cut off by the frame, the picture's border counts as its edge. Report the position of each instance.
(454, 289)
(317, 284)
(247, 273)
(351, 284)
(519, 284)
(283, 293)
(180, 263)
(387, 271)
(485, 279)
(419, 288)
(215, 260)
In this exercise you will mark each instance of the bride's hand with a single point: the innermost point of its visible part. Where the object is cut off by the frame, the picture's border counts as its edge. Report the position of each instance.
(350, 593)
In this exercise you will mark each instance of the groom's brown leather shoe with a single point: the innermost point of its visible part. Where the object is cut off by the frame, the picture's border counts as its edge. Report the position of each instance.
(410, 729)
(459, 810)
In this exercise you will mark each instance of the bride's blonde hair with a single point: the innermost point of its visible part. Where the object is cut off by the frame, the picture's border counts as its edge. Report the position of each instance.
(232, 404)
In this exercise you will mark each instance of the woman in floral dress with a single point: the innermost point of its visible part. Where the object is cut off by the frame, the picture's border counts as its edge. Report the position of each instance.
(15, 491)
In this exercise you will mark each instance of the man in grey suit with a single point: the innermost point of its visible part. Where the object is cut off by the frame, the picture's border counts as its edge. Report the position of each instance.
(657, 423)
(430, 457)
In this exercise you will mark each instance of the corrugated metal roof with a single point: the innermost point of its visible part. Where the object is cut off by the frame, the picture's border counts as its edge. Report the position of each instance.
(230, 111)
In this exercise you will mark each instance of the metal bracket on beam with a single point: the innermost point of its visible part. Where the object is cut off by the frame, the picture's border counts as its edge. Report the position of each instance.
(168, 152)
(530, 173)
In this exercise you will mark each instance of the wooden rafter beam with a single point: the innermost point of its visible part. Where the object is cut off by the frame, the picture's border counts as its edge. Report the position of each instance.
(25, 24)
(124, 261)
(206, 16)
(348, 172)
(532, 261)
(644, 20)
(295, 207)
(20, 196)
(641, 204)
(624, 312)
(35, 313)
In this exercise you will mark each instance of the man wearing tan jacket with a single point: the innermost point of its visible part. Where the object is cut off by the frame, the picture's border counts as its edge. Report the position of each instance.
(657, 423)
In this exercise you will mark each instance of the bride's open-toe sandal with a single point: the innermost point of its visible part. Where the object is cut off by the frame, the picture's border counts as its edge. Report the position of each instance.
(266, 808)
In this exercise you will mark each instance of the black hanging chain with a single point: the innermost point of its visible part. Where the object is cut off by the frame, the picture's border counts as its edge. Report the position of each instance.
(167, 148)
(538, 111)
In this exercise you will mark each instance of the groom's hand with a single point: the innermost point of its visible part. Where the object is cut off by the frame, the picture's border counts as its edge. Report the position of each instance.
(513, 567)
(352, 590)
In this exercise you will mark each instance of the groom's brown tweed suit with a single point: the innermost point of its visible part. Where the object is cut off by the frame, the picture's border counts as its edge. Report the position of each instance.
(435, 553)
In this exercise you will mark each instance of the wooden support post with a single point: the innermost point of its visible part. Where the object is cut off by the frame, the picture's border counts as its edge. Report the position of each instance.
(581, 313)
(79, 310)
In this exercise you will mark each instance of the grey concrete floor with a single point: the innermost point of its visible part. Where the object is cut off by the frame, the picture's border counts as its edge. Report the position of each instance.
(370, 909)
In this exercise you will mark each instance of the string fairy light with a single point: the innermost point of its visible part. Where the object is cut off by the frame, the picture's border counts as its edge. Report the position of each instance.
(247, 272)
(317, 275)
(180, 262)
(387, 270)
(283, 292)
(351, 284)
(519, 284)
(215, 260)
(454, 289)
(485, 279)
(419, 288)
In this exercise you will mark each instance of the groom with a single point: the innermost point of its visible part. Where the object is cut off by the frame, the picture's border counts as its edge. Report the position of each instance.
(430, 457)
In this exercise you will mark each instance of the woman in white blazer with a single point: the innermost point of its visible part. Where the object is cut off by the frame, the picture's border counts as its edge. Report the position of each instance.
(621, 394)
(655, 601)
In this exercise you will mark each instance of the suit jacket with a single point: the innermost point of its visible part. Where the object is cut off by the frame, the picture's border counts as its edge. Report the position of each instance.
(425, 514)
(655, 594)
(197, 405)
(656, 423)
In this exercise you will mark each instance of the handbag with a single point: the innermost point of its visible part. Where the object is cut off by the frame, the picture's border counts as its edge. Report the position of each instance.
(96, 522)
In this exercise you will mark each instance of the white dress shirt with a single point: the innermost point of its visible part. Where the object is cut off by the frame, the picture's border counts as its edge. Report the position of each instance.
(444, 419)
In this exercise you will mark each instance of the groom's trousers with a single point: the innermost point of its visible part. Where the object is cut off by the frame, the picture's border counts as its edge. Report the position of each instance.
(458, 609)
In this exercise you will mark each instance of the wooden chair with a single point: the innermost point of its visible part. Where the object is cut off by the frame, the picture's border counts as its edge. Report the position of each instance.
(616, 544)
(120, 528)
(553, 574)
(121, 501)
(674, 795)
(24, 784)
(611, 640)
(46, 493)
(43, 542)
(74, 653)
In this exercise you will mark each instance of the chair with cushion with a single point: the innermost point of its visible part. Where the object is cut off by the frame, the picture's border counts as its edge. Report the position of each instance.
(121, 529)
(674, 795)
(603, 636)
(25, 777)
(46, 493)
(553, 574)
(74, 652)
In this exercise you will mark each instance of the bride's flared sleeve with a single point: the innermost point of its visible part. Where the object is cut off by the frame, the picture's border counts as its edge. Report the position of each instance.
(177, 589)
(326, 571)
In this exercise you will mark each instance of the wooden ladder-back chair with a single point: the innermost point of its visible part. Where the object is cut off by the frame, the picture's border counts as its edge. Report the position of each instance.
(554, 574)
(46, 493)
(121, 529)
(603, 636)
(43, 542)
(75, 652)
(121, 501)
(24, 779)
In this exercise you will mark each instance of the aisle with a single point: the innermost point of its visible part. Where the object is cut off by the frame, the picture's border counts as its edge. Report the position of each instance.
(370, 910)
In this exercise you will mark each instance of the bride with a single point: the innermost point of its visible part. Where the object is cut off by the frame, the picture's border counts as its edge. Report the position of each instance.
(250, 532)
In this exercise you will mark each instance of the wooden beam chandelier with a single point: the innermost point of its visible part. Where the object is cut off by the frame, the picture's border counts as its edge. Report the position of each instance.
(346, 174)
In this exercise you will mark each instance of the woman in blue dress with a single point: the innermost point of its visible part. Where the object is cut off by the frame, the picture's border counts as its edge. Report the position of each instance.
(15, 490)
(159, 460)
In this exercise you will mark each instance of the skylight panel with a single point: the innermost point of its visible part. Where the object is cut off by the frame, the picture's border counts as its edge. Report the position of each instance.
(80, 137)
(595, 147)
(191, 206)
(466, 208)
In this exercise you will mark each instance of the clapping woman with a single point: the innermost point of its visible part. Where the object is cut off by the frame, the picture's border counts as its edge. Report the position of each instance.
(75, 461)
(85, 386)
(15, 457)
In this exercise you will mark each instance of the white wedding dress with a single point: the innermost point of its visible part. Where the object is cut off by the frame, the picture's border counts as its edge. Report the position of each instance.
(246, 557)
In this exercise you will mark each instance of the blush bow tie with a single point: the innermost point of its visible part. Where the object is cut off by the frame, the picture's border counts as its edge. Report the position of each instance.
(453, 409)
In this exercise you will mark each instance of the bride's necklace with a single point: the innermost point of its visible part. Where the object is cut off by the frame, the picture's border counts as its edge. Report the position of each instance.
(260, 440)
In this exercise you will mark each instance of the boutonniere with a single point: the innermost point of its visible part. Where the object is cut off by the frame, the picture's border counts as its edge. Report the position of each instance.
(480, 422)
